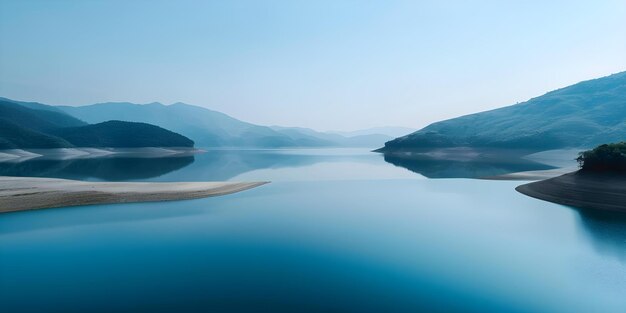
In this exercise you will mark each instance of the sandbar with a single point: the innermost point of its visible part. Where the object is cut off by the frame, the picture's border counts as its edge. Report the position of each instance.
(28, 193)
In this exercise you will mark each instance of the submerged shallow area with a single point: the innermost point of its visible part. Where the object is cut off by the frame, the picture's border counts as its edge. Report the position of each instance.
(336, 231)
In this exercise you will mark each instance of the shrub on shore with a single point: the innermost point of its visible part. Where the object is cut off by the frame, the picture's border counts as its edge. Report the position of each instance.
(606, 157)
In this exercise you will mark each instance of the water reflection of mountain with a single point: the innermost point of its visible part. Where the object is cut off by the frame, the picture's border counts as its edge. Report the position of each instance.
(213, 165)
(606, 231)
(475, 166)
(219, 165)
(107, 168)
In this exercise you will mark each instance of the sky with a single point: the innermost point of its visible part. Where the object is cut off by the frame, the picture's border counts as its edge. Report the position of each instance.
(327, 65)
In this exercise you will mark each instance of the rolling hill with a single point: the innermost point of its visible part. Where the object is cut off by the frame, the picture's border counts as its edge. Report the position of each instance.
(579, 116)
(118, 134)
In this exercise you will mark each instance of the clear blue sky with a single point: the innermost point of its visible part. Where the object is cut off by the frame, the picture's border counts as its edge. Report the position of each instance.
(321, 64)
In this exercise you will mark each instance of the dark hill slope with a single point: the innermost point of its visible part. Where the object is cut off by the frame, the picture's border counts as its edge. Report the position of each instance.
(36, 119)
(119, 134)
(13, 136)
(25, 127)
(31, 125)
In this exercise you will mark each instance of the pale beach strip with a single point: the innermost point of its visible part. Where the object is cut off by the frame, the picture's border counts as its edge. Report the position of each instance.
(27, 193)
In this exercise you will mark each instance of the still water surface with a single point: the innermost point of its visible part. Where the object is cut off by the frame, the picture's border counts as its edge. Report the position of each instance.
(335, 231)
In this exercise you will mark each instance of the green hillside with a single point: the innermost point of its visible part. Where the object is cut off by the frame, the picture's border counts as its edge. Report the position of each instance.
(582, 115)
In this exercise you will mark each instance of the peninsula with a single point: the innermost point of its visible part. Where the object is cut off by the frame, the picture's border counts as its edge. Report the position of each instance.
(27, 193)
(600, 184)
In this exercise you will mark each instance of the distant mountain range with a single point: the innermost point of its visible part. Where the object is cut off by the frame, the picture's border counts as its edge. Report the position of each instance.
(210, 128)
(37, 126)
(46, 126)
(579, 116)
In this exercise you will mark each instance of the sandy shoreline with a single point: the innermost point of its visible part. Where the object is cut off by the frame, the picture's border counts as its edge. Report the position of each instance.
(595, 191)
(532, 175)
(27, 193)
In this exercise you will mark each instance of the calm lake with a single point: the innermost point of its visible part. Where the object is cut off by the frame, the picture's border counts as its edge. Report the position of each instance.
(337, 230)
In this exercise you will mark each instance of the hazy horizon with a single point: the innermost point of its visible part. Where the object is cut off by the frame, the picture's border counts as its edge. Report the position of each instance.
(322, 65)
